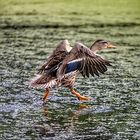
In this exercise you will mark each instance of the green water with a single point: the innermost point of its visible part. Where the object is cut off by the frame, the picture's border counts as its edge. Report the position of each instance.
(29, 31)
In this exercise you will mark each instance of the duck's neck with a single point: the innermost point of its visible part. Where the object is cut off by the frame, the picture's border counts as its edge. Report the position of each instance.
(94, 48)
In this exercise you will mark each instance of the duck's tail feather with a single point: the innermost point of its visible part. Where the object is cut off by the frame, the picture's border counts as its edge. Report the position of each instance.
(42, 81)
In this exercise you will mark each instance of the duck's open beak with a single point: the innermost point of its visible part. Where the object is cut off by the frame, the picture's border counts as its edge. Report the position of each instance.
(111, 46)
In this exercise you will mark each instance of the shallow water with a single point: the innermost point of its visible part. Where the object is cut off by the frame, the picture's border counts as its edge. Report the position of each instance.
(115, 109)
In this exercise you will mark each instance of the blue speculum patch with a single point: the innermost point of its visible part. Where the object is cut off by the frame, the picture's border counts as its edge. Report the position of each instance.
(72, 66)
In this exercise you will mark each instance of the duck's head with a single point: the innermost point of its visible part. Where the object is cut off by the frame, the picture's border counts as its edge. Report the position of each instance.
(101, 44)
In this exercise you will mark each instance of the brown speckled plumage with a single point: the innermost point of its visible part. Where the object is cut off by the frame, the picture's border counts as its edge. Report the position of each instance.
(65, 63)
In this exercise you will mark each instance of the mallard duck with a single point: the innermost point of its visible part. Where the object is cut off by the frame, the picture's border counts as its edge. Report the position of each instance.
(66, 63)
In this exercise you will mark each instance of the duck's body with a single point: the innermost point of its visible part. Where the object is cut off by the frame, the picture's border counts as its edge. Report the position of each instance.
(66, 63)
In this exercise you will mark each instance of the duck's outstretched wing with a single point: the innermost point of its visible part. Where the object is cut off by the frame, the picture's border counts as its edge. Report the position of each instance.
(55, 58)
(83, 59)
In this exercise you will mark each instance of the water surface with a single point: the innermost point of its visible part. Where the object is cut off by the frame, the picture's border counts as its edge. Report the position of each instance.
(115, 111)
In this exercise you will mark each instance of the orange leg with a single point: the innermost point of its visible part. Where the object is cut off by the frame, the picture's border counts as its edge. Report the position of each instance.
(45, 96)
(80, 98)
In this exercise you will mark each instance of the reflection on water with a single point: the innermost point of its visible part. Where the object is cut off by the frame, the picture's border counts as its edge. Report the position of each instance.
(69, 121)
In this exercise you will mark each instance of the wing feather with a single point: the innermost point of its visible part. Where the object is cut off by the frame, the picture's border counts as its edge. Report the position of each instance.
(90, 62)
(55, 58)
